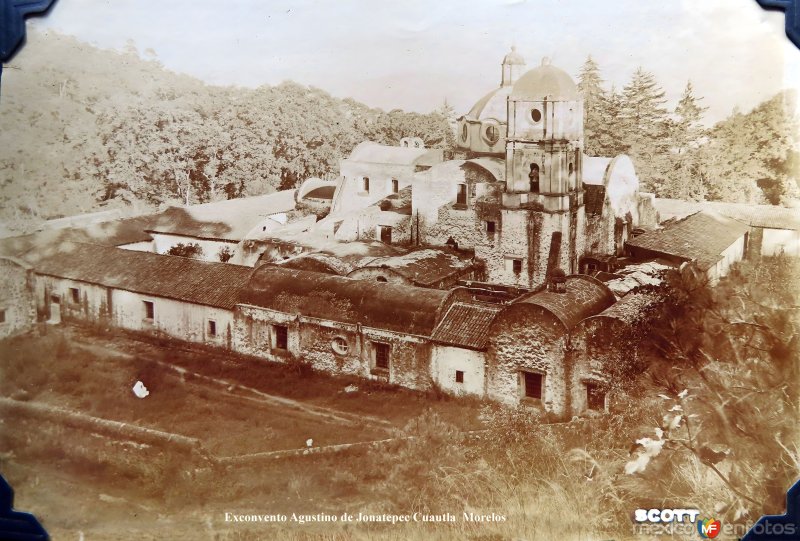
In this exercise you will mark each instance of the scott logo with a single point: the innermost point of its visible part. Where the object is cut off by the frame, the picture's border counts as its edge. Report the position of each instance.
(708, 528)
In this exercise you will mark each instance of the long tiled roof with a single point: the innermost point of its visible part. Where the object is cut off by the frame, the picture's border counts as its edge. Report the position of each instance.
(466, 325)
(703, 237)
(172, 277)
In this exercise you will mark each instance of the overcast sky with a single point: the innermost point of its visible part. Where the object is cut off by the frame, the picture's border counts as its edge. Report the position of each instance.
(413, 54)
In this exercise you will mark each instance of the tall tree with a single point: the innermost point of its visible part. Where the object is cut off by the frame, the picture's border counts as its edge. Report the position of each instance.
(683, 180)
(646, 127)
(590, 85)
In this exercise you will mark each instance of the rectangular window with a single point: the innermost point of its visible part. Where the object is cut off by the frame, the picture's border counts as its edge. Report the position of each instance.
(516, 266)
(595, 397)
(281, 336)
(365, 184)
(75, 294)
(532, 385)
(386, 234)
(149, 310)
(381, 352)
(395, 185)
(2, 315)
(212, 327)
(490, 227)
(461, 197)
(459, 376)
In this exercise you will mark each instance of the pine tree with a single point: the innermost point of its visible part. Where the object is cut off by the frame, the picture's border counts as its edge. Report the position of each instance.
(684, 178)
(687, 130)
(645, 128)
(590, 85)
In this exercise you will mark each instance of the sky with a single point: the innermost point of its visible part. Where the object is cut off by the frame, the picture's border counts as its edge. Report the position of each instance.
(414, 54)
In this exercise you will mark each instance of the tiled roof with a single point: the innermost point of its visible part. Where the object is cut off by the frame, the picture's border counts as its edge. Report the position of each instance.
(703, 236)
(466, 325)
(228, 220)
(172, 277)
(394, 307)
(766, 216)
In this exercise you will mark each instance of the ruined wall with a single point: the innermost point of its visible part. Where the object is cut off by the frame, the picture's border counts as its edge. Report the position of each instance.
(648, 215)
(599, 232)
(17, 300)
(312, 340)
(438, 216)
(364, 225)
(446, 360)
(93, 303)
(592, 349)
(350, 195)
(527, 338)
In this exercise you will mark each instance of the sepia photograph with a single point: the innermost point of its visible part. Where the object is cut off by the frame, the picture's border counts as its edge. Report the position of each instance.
(500, 270)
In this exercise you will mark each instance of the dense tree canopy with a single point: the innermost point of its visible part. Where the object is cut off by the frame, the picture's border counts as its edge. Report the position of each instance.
(86, 128)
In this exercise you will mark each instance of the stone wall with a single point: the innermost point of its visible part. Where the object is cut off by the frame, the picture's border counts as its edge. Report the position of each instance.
(527, 338)
(16, 297)
(312, 340)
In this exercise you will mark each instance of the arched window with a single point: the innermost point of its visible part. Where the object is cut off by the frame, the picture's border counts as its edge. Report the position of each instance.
(533, 177)
(464, 131)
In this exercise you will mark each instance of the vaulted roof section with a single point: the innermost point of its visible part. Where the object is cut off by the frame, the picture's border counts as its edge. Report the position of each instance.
(393, 307)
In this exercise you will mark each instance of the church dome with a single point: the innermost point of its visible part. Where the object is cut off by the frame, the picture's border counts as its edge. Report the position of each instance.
(514, 57)
(546, 81)
(492, 105)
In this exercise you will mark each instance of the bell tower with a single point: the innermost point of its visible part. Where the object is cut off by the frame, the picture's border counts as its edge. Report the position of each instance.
(542, 205)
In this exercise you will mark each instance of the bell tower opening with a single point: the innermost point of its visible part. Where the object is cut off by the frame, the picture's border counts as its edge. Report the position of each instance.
(533, 178)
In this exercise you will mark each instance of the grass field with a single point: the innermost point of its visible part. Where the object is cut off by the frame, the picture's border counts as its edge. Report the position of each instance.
(233, 405)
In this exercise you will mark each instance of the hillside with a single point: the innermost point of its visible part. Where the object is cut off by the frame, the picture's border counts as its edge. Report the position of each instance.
(85, 129)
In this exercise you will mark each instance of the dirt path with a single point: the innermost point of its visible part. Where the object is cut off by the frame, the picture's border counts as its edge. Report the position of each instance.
(242, 391)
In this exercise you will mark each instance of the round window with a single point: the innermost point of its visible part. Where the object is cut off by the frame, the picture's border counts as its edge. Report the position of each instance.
(464, 131)
(536, 115)
(339, 345)
(492, 133)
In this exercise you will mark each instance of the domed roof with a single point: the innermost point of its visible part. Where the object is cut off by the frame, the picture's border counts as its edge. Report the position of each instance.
(492, 105)
(546, 81)
(514, 57)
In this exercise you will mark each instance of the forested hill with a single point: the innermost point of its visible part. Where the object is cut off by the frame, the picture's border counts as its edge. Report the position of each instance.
(82, 129)
(748, 158)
